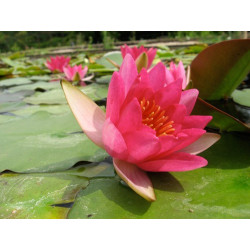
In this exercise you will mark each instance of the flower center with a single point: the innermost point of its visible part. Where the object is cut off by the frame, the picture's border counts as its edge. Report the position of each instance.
(154, 117)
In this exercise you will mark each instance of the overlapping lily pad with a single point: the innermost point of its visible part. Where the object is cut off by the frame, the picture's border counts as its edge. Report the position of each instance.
(36, 196)
(56, 96)
(14, 81)
(242, 97)
(45, 142)
(220, 190)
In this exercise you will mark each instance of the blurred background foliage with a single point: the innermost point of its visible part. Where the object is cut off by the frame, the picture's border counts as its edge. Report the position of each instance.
(21, 40)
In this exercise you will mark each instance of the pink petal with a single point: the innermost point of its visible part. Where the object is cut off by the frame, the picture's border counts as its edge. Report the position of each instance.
(206, 141)
(182, 74)
(113, 141)
(176, 113)
(169, 95)
(171, 144)
(67, 73)
(142, 144)
(135, 178)
(128, 72)
(89, 116)
(130, 117)
(196, 121)
(157, 76)
(116, 95)
(169, 76)
(176, 162)
(151, 55)
(188, 98)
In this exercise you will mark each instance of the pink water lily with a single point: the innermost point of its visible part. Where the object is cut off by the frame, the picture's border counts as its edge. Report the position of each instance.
(57, 63)
(147, 126)
(136, 52)
(175, 72)
(75, 73)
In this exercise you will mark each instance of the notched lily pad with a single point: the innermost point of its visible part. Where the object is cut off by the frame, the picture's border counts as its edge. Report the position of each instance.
(220, 190)
(14, 81)
(33, 196)
(45, 142)
(56, 96)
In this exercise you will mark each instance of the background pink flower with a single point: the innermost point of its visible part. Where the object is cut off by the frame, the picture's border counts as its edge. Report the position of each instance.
(75, 73)
(57, 63)
(136, 52)
(176, 72)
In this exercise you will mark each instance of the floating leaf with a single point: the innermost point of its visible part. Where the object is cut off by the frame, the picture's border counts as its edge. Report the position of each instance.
(15, 97)
(36, 196)
(220, 190)
(44, 142)
(220, 68)
(36, 86)
(115, 56)
(56, 96)
(221, 120)
(10, 106)
(14, 81)
(6, 71)
(242, 97)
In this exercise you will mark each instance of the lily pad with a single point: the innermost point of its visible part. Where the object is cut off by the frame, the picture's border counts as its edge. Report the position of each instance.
(45, 142)
(52, 109)
(221, 120)
(220, 68)
(115, 56)
(56, 96)
(14, 97)
(10, 106)
(220, 190)
(6, 71)
(15, 81)
(36, 196)
(36, 86)
(242, 97)
(40, 78)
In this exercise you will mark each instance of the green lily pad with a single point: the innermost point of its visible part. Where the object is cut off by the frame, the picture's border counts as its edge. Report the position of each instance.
(36, 86)
(10, 106)
(7, 118)
(56, 96)
(52, 109)
(104, 79)
(15, 81)
(6, 71)
(220, 68)
(220, 190)
(221, 120)
(14, 97)
(36, 196)
(40, 78)
(242, 97)
(115, 56)
(45, 142)
(32, 70)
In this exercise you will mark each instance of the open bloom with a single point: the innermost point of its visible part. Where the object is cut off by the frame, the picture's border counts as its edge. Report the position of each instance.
(147, 126)
(57, 63)
(176, 72)
(75, 73)
(136, 52)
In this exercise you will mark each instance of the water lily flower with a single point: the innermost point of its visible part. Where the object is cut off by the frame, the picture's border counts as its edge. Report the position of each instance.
(75, 73)
(147, 125)
(57, 63)
(137, 52)
(176, 72)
